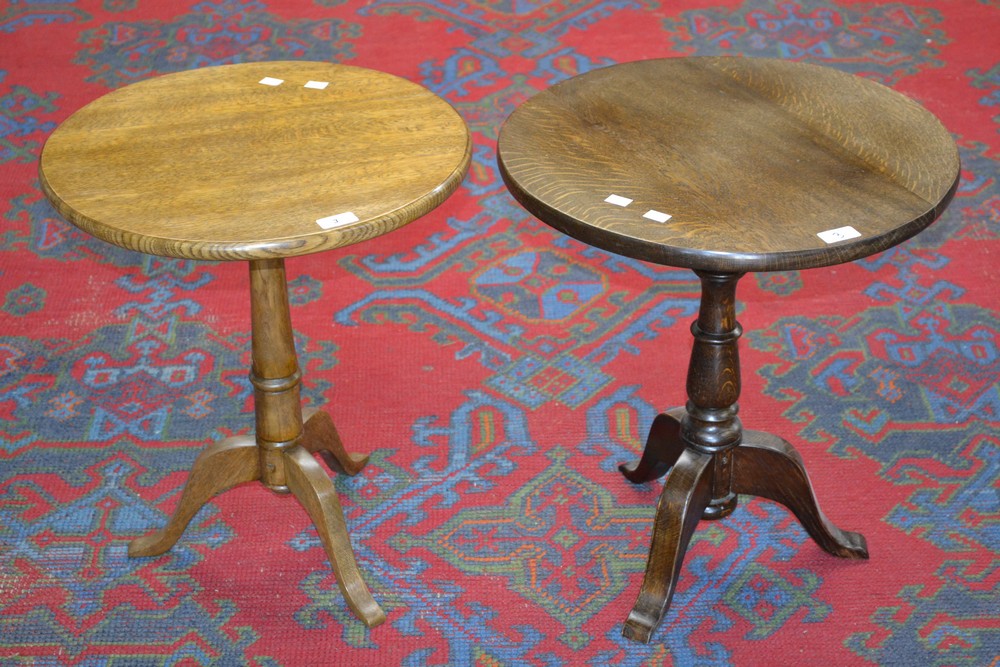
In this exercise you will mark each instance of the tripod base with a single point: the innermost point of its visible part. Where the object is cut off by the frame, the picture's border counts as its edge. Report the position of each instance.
(762, 465)
(233, 461)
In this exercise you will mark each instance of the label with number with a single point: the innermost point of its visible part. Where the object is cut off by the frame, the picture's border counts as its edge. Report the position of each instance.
(839, 234)
(332, 221)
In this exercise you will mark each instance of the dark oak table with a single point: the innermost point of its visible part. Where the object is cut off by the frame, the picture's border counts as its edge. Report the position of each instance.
(726, 166)
(258, 162)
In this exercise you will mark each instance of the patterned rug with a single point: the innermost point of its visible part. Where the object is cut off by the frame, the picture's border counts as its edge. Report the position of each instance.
(491, 524)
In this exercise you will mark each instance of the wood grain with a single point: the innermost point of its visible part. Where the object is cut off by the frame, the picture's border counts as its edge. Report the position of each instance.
(222, 465)
(752, 158)
(769, 467)
(211, 164)
(686, 493)
(279, 455)
(214, 164)
(320, 435)
(730, 461)
(314, 490)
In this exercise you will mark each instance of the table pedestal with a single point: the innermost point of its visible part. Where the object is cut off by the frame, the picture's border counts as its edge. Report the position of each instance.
(711, 459)
(280, 455)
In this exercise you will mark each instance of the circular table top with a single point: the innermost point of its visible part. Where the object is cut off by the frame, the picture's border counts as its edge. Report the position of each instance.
(729, 164)
(255, 160)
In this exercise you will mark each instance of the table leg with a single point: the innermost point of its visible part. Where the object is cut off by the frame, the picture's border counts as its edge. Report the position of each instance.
(663, 447)
(713, 460)
(769, 467)
(686, 493)
(220, 466)
(320, 436)
(279, 455)
(313, 488)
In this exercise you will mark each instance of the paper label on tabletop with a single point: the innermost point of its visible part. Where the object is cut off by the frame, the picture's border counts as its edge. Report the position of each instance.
(839, 234)
(338, 220)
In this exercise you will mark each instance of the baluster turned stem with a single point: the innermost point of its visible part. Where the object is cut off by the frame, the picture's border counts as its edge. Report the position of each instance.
(275, 373)
(711, 424)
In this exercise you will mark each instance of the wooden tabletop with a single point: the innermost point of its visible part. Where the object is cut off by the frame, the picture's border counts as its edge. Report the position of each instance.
(760, 164)
(255, 160)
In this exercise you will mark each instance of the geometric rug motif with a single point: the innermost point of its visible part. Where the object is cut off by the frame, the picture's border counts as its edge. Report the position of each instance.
(975, 212)
(473, 75)
(934, 625)
(19, 120)
(528, 302)
(39, 229)
(485, 438)
(884, 41)
(767, 599)
(561, 540)
(939, 365)
(20, 15)
(128, 380)
(220, 32)
(67, 553)
(955, 508)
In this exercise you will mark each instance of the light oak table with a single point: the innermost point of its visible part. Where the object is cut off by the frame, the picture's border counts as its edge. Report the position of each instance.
(725, 166)
(258, 162)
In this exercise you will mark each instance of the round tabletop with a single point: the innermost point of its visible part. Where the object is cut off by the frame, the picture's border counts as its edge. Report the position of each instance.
(256, 160)
(729, 164)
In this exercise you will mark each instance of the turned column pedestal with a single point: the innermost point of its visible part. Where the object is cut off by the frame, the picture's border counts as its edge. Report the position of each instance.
(280, 454)
(711, 459)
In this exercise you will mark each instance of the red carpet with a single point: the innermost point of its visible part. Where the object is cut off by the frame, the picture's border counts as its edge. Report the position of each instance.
(491, 524)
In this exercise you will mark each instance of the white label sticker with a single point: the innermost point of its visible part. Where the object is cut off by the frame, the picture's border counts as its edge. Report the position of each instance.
(271, 81)
(318, 85)
(332, 221)
(839, 234)
(656, 216)
(618, 200)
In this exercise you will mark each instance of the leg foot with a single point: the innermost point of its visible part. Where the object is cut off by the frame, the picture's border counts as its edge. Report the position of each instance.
(663, 447)
(686, 493)
(767, 466)
(222, 465)
(320, 435)
(315, 491)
